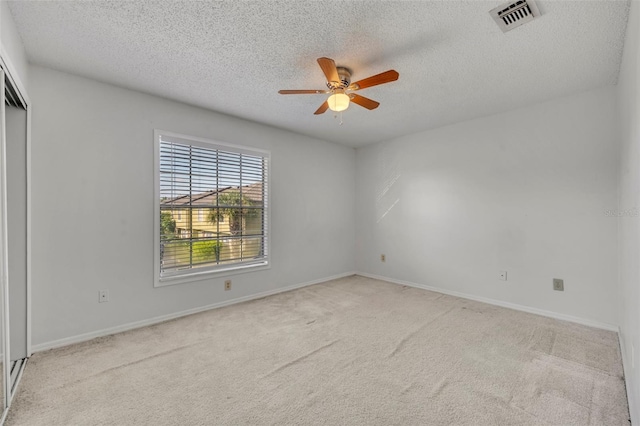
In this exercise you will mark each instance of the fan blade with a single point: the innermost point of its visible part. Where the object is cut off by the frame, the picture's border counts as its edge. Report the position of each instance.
(322, 109)
(364, 102)
(329, 69)
(384, 77)
(301, 92)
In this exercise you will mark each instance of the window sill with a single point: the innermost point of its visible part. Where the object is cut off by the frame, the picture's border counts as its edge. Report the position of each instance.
(207, 275)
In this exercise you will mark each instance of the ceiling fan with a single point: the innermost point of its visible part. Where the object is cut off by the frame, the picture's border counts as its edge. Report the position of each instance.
(340, 87)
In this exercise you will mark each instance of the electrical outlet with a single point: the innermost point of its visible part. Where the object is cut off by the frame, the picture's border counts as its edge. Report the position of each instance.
(383, 258)
(503, 275)
(558, 284)
(103, 296)
(227, 285)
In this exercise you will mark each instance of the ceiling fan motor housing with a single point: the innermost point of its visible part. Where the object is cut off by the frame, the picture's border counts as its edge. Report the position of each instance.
(345, 79)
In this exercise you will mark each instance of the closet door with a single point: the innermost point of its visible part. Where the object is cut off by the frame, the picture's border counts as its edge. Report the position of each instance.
(4, 275)
(13, 235)
(16, 174)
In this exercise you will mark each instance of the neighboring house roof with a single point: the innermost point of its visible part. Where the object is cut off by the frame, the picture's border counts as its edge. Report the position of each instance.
(252, 192)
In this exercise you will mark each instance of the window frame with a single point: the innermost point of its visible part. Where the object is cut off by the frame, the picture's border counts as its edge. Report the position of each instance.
(226, 270)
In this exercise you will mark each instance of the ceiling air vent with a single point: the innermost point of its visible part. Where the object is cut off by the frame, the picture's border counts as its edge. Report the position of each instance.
(513, 14)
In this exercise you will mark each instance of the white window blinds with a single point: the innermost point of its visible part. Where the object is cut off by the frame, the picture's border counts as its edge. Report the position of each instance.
(212, 206)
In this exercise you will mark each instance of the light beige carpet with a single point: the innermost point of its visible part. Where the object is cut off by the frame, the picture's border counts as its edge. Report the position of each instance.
(353, 351)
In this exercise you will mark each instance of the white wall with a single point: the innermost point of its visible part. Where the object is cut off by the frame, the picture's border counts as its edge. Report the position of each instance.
(93, 206)
(629, 203)
(524, 191)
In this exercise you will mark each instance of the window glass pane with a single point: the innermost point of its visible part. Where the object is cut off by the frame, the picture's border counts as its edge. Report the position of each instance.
(253, 221)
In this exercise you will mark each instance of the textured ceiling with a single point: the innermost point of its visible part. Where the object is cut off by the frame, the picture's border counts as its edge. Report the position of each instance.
(233, 57)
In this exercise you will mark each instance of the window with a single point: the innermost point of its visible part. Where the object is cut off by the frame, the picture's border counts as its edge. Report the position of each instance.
(211, 208)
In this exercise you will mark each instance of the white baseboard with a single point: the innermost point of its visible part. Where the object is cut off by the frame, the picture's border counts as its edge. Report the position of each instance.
(509, 305)
(143, 323)
(626, 366)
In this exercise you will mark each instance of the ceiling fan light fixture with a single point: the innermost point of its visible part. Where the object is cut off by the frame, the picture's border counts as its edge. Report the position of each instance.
(338, 101)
